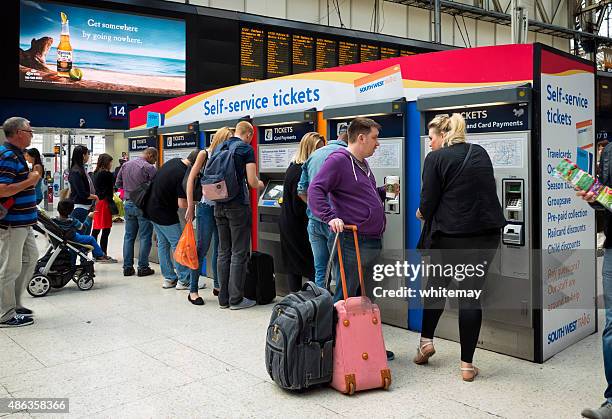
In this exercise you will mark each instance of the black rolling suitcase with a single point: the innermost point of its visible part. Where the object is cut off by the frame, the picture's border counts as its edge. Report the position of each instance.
(260, 285)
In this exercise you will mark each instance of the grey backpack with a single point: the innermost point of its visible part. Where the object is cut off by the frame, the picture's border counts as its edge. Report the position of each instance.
(299, 342)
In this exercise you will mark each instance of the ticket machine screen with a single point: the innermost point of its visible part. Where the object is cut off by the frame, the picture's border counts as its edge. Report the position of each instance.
(272, 195)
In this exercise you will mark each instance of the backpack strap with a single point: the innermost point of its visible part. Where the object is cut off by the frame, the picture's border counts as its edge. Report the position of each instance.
(465, 160)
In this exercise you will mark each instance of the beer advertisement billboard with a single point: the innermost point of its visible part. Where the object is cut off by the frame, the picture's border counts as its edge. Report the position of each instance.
(68, 47)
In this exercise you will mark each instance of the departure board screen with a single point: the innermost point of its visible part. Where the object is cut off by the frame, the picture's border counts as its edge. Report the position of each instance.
(406, 52)
(251, 55)
(278, 54)
(326, 54)
(303, 54)
(369, 53)
(348, 53)
(386, 52)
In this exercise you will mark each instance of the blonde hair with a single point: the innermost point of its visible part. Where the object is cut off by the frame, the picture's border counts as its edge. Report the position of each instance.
(451, 128)
(243, 127)
(221, 136)
(308, 145)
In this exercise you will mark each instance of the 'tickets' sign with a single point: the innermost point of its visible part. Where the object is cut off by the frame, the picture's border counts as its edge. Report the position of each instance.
(139, 144)
(181, 141)
(289, 133)
(502, 118)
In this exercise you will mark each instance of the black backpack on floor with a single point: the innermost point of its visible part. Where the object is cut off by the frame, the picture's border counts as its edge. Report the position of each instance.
(299, 342)
(260, 285)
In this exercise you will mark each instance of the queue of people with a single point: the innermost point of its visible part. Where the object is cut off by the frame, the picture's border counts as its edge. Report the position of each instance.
(327, 186)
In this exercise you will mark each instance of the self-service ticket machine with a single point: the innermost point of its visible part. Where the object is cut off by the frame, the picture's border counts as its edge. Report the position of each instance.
(527, 280)
(179, 140)
(279, 137)
(387, 161)
(138, 141)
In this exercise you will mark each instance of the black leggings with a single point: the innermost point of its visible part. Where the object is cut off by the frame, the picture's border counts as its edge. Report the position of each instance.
(103, 238)
(459, 251)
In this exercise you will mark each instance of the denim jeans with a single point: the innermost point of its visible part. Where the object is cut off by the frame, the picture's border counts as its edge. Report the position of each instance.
(206, 234)
(135, 223)
(234, 225)
(321, 240)
(81, 215)
(607, 333)
(369, 250)
(167, 239)
(91, 241)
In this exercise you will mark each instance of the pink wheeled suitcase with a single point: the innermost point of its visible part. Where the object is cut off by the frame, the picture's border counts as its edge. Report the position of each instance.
(360, 358)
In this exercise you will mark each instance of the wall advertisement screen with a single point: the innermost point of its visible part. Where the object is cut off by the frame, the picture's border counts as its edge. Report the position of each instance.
(77, 48)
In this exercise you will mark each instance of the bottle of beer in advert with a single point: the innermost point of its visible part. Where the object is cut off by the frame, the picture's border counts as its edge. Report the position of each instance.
(64, 49)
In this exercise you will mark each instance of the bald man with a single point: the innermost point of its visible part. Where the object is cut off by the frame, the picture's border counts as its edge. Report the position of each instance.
(234, 223)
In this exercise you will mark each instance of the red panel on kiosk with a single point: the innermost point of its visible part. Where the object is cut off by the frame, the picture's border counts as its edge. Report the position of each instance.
(554, 64)
(254, 195)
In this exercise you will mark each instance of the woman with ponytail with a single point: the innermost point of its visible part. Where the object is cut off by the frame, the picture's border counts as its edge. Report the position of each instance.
(463, 220)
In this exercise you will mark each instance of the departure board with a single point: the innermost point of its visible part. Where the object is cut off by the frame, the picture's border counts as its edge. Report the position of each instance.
(326, 54)
(303, 54)
(348, 53)
(369, 53)
(278, 54)
(405, 52)
(386, 52)
(251, 55)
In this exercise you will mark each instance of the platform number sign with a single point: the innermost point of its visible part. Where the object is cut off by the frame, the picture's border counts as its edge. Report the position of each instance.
(118, 111)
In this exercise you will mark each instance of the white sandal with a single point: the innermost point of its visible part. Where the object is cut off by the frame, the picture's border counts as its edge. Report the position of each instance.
(472, 369)
(422, 357)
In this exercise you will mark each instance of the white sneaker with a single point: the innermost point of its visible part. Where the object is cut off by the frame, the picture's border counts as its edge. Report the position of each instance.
(202, 283)
(181, 286)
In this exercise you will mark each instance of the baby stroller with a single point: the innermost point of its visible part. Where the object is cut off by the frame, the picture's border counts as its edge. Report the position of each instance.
(57, 268)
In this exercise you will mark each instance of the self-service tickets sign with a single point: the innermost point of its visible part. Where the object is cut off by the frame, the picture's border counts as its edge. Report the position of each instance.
(568, 244)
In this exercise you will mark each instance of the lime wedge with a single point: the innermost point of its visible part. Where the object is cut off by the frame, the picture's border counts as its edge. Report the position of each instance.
(76, 74)
(64, 17)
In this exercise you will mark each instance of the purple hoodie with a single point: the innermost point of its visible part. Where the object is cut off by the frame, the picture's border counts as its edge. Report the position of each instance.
(352, 193)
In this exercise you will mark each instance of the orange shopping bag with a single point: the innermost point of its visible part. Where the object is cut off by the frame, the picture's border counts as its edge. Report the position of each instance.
(186, 252)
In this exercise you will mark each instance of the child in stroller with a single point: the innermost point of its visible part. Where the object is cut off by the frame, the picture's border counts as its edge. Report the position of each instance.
(56, 268)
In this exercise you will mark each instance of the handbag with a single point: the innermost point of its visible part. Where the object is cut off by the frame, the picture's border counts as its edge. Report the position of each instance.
(113, 207)
(425, 238)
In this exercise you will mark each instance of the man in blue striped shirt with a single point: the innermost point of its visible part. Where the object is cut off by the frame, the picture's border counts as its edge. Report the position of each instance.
(18, 252)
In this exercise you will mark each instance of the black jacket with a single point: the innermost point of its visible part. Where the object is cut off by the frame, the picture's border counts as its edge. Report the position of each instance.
(605, 177)
(470, 205)
(103, 184)
(79, 187)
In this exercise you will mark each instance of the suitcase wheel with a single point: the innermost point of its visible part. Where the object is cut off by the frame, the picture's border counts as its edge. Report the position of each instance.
(387, 383)
(386, 379)
(351, 389)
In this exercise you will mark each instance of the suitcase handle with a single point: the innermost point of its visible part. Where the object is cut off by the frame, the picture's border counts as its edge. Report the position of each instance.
(335, 246)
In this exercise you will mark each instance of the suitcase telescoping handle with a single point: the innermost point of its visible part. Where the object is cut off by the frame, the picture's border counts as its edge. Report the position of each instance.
(335, 246)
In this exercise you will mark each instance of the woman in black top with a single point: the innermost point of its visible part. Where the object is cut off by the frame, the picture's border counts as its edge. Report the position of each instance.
(463, 220)
(81, 187)
(295, 245)
(104, 186)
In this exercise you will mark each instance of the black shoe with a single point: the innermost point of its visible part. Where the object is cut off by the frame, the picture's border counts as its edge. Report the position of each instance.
(145, 271)
(24, 311)
(17, 321)
(128, 271)
(197, 302)
(390, 356)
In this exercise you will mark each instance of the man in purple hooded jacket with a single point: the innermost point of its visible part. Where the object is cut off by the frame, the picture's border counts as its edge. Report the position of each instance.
(344, 192)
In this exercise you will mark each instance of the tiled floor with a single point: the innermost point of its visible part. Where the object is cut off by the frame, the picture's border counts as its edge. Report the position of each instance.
(128, 348)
